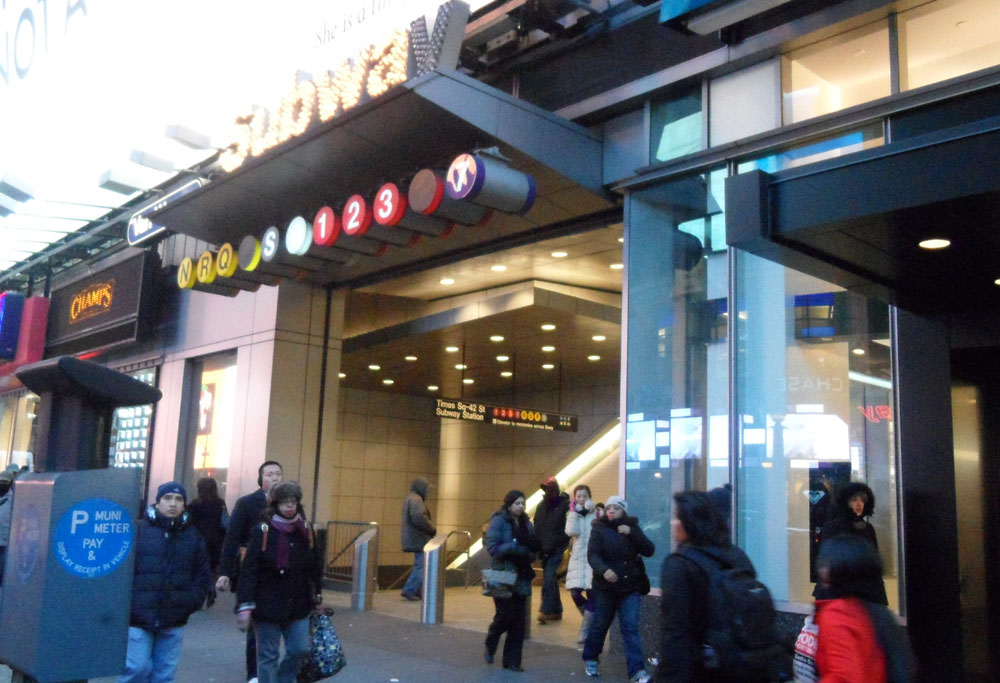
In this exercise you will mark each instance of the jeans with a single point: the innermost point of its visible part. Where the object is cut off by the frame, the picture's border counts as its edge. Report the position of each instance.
(509, 618)
(583, 598)
(551, 600)
(626, 605)
(152, 655)
(297, 644)
(251, 652)
(415, 584)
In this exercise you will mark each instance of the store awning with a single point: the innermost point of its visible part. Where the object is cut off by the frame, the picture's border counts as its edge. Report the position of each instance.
(858, 220)
(424, 123)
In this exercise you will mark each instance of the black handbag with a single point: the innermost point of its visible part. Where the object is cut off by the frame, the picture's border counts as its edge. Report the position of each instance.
(499, 583)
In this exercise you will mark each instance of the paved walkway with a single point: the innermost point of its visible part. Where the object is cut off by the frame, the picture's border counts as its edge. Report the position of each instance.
(389, 644)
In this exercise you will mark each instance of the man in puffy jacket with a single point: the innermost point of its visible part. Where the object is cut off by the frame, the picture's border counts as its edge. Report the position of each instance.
(417, 530)
(550, 525)
(172, 578)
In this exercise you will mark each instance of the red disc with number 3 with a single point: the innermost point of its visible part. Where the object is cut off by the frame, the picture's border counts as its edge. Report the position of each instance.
(357, 217)
(389, 205)
(326, 227)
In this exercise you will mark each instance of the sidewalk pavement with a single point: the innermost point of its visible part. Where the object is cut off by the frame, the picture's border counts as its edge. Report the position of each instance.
(381, 648)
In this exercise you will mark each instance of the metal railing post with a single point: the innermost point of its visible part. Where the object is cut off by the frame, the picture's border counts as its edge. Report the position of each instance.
(468, 545)
(365, 569)
(432, 609)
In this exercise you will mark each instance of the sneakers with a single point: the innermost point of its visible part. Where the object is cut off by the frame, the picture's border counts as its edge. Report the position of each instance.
(544, 618)
(591, 668)
(253, 680)
(640, 676)
(411, 597)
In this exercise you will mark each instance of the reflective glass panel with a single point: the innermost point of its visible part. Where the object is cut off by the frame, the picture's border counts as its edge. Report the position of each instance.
(818, 150)
(677, 126)
(948, 38)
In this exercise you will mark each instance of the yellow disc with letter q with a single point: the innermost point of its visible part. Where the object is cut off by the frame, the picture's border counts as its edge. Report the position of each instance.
(226, 261)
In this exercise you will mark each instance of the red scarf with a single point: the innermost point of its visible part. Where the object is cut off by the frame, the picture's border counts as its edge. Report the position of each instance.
(287, 527)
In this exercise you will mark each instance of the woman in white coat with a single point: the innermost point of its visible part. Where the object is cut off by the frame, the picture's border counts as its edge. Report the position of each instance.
(579, 574)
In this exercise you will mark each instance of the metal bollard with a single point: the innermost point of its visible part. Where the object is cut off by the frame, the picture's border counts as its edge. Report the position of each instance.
(432, 609)
(364, 583)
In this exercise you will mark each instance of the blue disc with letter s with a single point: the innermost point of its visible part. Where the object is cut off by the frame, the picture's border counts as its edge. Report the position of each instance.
(93, 537)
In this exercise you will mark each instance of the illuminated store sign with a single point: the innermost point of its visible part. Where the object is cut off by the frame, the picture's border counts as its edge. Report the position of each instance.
(141, 228)
(11, 305)
(504, 416)
(111, 306)
(402, 54)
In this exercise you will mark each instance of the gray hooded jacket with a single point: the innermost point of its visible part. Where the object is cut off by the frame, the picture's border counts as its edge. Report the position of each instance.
(417, 527)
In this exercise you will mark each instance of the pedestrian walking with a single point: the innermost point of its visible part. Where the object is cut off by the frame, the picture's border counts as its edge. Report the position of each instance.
(417, 529)
(617, 545)
(211, 518)
(280, 585)
(172, 578)
(512, 544)
(550, 525)
(579, 573)
(853, 506)
(246, 515)
(7, 477)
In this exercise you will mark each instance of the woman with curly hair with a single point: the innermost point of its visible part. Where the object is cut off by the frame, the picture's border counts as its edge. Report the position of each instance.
(854, 504)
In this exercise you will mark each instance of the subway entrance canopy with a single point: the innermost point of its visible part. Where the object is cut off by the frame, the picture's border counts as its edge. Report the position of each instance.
(858, 220)
(423, 123)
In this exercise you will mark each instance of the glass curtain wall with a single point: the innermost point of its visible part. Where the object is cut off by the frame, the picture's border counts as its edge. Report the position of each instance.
(676, 430)
(211, 406)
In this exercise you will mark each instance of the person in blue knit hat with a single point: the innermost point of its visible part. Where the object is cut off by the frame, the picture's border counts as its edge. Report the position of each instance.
(172, 578)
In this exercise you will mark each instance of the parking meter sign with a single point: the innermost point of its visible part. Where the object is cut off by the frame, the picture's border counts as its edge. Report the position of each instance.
(93, 537)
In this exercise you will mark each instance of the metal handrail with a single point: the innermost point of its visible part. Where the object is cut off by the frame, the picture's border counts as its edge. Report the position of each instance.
(468, 547)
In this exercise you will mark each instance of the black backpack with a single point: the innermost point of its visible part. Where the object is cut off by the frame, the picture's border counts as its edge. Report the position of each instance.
(739, 642)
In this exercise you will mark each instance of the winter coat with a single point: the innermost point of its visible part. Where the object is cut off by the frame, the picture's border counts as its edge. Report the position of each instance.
(6, 515)
(280, 595)
(550, 524)
(684, 613)
(512, 547)
(246, 515)
(579, 573)
(172, 576)
(417, 527)
(847, 648)
(608, 549)
(210, 518)
(847, 523)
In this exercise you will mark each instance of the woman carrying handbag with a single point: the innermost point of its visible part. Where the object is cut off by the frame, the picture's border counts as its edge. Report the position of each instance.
(511, 543)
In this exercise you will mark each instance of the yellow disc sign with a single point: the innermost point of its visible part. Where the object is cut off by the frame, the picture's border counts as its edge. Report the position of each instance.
(226, 261)
(185, 274)
(206, 268)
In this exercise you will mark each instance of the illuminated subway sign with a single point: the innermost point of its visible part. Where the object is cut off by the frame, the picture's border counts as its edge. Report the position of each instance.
(141, 228)
(504, 416)
(378, 67)
(92, 300)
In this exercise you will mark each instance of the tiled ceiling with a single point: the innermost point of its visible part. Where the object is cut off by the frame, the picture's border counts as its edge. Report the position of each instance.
(417, 316)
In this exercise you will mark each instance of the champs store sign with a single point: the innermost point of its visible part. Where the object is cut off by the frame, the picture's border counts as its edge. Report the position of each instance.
(375, 44)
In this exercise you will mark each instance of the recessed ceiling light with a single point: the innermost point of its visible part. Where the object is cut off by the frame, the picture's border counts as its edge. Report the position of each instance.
(461, 366)
(498, 268)
(374, 367)
(447, 281)
(341, 375)
(621, 239)
(432, 387)
(451, 349)
(548, 366)
(503, 359)
(593, 357)
(548, 327)
(559, 254)
(496, 338)
(598, 337)
(506, 373)
(997, 281)
(411, 358)
(616, 266)
(388, 381)
(935, 243)
(858, 352)
(548, 349)
(468, 380)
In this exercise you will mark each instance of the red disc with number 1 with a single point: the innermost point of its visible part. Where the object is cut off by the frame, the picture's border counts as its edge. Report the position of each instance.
(357, 217)
(326, 227)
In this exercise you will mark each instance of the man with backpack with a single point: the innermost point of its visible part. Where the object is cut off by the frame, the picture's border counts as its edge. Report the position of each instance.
(717, 620)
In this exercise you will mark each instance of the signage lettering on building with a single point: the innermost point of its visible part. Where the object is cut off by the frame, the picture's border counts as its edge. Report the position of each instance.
(11, 306)
(381, 65)
(141, 228)
(876, 413)
(30, 30)
(93, 300)
(504, 416)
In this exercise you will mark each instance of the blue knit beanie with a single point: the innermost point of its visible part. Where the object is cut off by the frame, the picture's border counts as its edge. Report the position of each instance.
(171, 487)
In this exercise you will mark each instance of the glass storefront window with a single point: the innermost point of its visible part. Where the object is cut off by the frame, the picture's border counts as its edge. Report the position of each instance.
(815, 404)
(676, 431)
(677, 126)
(838, 145)
(132, 431)
(836, 73)
(211, 404)
(948, 38)
(17, 429)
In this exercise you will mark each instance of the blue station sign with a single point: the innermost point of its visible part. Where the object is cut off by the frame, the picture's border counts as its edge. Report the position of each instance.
(141, 228)
(93, 537)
